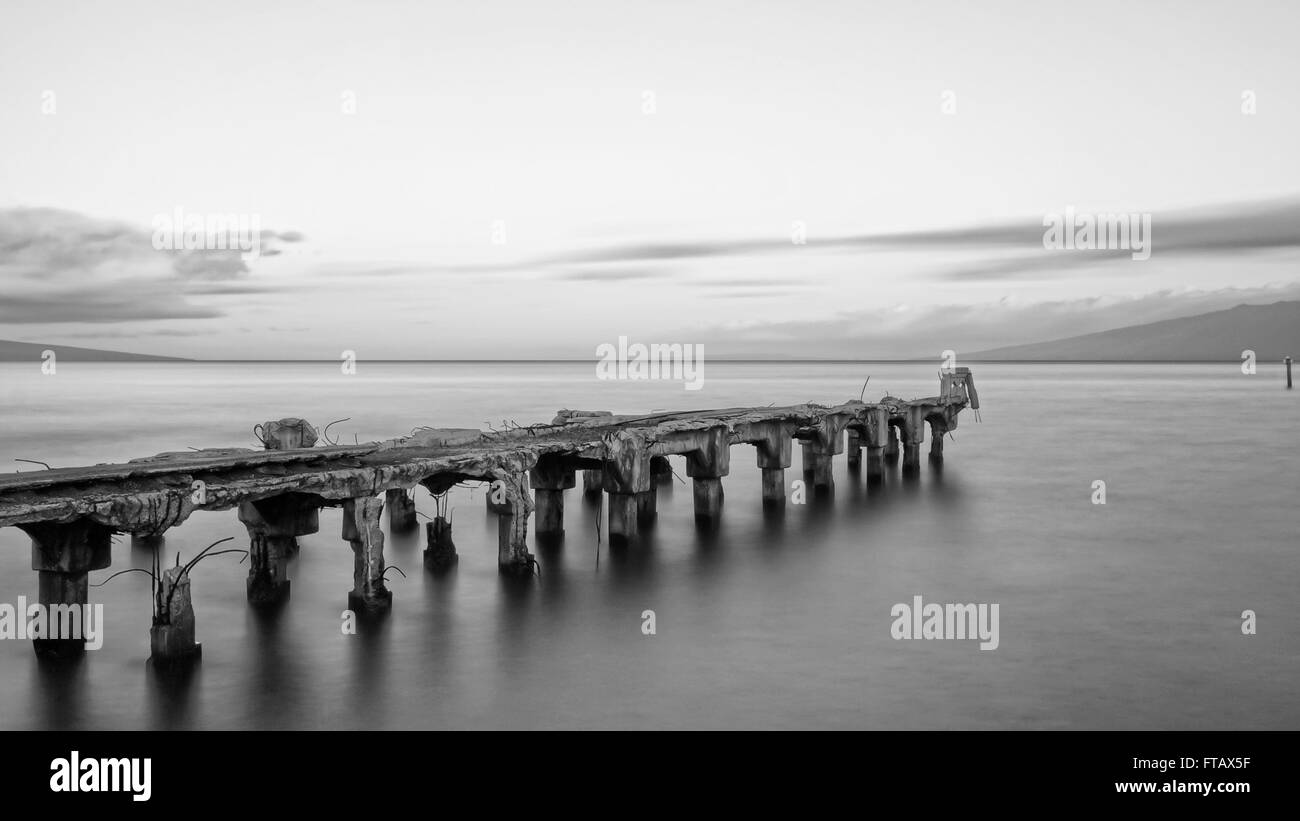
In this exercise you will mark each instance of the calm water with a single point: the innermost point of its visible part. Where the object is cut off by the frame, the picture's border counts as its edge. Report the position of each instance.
(1125, 615)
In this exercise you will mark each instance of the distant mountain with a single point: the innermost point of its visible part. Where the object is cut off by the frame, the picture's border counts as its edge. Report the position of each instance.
(11, 351)
(1271, 331)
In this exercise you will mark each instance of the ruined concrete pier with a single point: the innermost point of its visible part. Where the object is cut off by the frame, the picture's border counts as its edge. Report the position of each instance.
(278, 491)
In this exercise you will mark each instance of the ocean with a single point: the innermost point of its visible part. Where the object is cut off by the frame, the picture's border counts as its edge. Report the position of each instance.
(1126, 614)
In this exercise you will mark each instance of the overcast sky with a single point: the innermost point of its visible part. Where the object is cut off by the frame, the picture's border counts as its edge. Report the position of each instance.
(533, 179)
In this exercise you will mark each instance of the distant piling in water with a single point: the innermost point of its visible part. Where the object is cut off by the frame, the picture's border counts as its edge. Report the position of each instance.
(1288, 372)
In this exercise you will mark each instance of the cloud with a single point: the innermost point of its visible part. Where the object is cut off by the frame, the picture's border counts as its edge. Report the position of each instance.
(1015, 248)
(612, 275)
(62, 266)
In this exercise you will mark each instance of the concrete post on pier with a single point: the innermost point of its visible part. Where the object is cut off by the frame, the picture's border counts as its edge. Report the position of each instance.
(772, 443)
(286, 434)
(706, 464)
(513, 558)
(550, 478)
(369, 595)
(891, 443)
(936, 441)
(627, 480)
(172, 635)
(592, 482)
(878, 433)
(913, 436)
(853, 449)
(62, 555)
(273, 525)
(401, 511)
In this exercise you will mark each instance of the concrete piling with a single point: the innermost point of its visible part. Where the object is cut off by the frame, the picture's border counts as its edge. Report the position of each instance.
(369, 594)
(550, 478)
(63, 554)
(772, 443)
(440, 551)
(626, 476)
(706, 465)
(172, 636)
(273, 525)
(401, 511)
(773, 487)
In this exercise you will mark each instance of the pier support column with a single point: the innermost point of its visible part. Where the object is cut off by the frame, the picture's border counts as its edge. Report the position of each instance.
(513, 558)
(401, 511)
(819, 448)
(623, 523)
(818, 464)
(853, 449)
(913, 436)
(773, 487)
(878, 433)
(647, 505)
(550, 512)
(706, 465)
(62, 556)
(550, 479)
(592, 480)
(936, 446)
(498, 497)
(369, 594)
(708, 499)
(772, 443)
(891, 444)
(911, 457)
(273, 525)
(172, 635)
(626, 477)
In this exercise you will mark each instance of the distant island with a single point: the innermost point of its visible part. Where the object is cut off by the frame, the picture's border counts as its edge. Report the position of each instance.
(11, 351)
(1271, 331)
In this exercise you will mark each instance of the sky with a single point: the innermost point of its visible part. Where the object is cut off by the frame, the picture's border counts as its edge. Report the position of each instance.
(523, 180)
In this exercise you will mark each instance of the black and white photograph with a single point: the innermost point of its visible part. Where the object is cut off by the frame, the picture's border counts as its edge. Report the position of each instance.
(919, 367)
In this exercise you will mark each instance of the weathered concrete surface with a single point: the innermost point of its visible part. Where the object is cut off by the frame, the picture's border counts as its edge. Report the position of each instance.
(369, 594)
